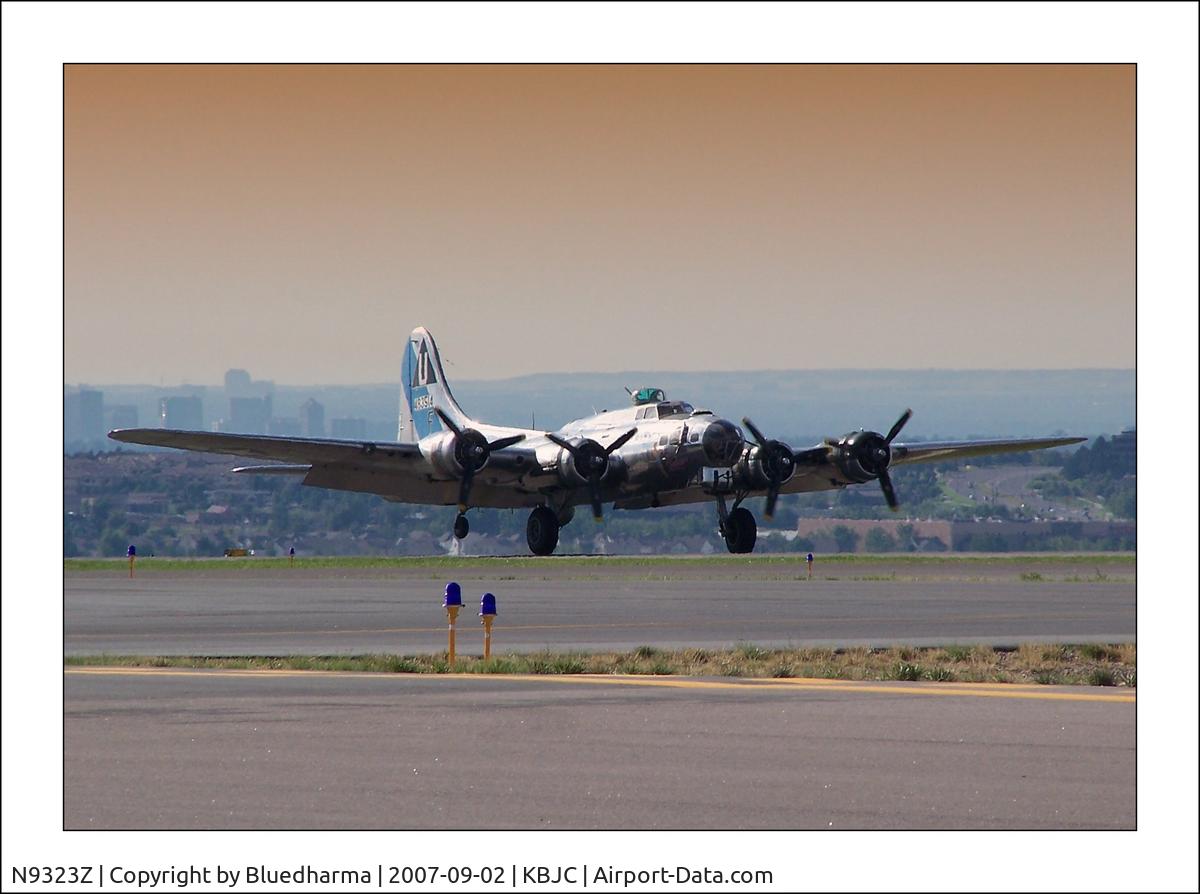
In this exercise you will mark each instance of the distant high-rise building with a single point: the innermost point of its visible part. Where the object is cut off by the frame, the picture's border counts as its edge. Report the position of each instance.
(237, 383)
(351, 429)
(312, 419)
(181, 412)
(122, 416)
(83, 417)
(249, 415)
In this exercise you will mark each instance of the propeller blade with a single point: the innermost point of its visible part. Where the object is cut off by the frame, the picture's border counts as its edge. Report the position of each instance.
(501, 443)
(597, 509)
(772, 496)
(900, 423)
(889, 492)
(562, 442)
(464, 489)
(758, 436)
(619, 442)
(447, 421)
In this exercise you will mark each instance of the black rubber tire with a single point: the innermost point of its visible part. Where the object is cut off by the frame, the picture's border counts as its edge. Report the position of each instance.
(741, 531)
(462, 527)
(541, 531)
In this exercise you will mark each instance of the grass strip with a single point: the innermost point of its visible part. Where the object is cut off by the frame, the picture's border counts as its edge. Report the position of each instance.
(1086, 664)
(794, 562)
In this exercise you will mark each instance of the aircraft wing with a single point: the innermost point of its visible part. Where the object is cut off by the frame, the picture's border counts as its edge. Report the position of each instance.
(814, 471)
(938, 451)
(310, 451)
(392, 470)
(813, 468)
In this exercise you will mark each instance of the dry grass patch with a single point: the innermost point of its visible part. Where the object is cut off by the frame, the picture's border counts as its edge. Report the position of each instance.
(1106, 664)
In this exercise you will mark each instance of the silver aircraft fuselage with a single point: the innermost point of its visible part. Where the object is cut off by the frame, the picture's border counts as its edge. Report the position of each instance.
(671, 446)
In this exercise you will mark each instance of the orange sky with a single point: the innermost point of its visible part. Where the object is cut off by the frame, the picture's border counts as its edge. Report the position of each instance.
(300, 220)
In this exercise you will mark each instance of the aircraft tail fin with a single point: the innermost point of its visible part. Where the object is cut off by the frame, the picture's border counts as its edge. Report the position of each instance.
(423, 390)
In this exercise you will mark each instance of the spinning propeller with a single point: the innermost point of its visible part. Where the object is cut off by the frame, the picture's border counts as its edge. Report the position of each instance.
(885, 453)
(471, 452)
(873, 454)
(777, 461)
(591, 462)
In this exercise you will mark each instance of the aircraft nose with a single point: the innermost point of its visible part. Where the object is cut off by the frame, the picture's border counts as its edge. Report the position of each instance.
(722, 443)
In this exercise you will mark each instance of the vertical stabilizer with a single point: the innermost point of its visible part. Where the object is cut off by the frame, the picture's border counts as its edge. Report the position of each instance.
(423, 390)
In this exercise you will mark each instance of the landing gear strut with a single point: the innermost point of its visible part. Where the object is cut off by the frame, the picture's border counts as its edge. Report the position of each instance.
(737, 526)
(541, 531)
(462, 527)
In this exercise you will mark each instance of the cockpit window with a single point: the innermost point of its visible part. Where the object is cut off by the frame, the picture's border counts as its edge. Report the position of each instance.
(669, 408)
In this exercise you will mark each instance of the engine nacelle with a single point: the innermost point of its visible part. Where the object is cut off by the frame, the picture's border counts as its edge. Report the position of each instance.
(764, 465)
(455, 455)
(588, 462)
(861, 456)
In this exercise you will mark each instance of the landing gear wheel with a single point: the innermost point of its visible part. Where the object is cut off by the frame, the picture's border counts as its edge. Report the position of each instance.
(541, 531)
(462, 527)
(740, 531)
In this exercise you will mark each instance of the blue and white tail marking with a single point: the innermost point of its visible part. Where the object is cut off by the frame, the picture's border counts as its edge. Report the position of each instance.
(424, 389)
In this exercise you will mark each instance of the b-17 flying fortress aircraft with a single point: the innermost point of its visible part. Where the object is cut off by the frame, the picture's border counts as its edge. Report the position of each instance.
(657, 452)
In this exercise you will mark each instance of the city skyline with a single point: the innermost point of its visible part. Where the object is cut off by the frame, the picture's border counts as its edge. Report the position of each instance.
(800, 404)
(593, 218)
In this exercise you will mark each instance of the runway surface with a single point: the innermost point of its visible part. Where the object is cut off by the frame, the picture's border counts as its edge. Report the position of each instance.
(174, 749)
(596, 607)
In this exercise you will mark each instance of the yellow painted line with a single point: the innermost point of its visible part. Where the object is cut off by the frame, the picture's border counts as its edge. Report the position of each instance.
(976, 690)
(832, 681)
(215, 672)
(804, 683)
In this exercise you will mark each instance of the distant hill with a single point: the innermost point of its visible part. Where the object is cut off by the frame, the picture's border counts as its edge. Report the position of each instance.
(946, 403)
(801, 405)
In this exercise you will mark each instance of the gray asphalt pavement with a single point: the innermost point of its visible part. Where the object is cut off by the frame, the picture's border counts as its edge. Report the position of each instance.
(170, 749)
(314, 611)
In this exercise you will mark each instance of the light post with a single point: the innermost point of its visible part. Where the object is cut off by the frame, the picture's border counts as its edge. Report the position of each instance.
(487, 614)
(453, 604)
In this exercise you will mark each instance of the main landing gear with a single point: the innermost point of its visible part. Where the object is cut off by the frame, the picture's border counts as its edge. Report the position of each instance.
(737, 526)
(541, 531)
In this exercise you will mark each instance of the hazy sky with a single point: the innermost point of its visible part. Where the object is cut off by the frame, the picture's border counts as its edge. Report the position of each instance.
(300, 220)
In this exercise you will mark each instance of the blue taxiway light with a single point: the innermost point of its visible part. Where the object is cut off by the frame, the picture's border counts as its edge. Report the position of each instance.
(487, 605)
(453, 595)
